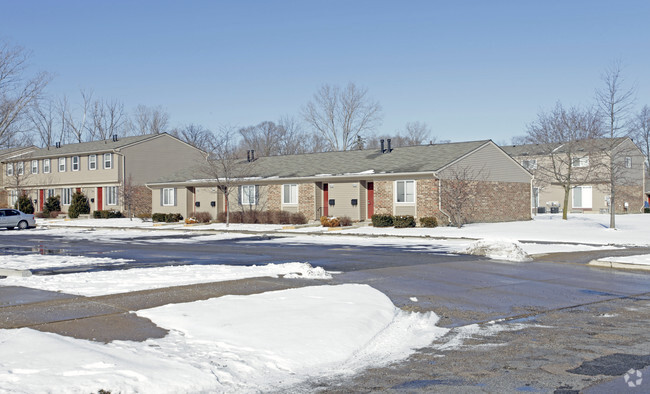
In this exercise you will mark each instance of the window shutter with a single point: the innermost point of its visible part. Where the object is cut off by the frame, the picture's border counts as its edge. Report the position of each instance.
(257, 194)
(175, 197)
(162, 197)
(239, 194)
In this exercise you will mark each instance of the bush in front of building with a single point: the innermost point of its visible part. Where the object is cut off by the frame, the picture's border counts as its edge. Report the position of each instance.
(52, 207)
(107, 214)
(78, 206)
(264, 217)
(24, 204)
(429, 221)
(382, 220)
(167, 217)
(646, 210)
(203, 217)
(330, 222)
(403, 221)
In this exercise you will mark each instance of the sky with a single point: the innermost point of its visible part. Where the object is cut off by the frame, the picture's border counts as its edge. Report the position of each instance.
(471, 70)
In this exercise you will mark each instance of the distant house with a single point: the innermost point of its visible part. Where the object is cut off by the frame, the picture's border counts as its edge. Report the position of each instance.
(100, 169)
(417, 180)
(7, 154)
(588, 162)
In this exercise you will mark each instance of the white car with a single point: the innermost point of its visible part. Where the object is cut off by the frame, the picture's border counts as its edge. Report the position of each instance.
(11, 218)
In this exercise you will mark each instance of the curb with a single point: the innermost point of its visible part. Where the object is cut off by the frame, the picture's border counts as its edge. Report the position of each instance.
(614, 264)
(12, 272)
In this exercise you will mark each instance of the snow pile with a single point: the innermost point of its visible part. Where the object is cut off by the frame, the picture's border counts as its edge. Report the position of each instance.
(98, 283)
(261, 342)
(498, 250)
(461, 334)
(642, 259)
(36, 261)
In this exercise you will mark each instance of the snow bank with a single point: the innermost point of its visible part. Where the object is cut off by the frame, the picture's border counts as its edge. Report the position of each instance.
(36, 261)
(262, 342)
(113, 282)
(498, 250)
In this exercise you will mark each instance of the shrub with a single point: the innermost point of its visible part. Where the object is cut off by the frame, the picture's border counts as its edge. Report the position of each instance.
(403, 221)
(107, 214)
(345, 221)
(382, 220)
(429, 221)
(298, 218)
(646, 210)
(39, 215)
(53, 214)
(330, 222)
(78, 206)
(52, 204)
(24, 204)
(203, 217)
(167, 217)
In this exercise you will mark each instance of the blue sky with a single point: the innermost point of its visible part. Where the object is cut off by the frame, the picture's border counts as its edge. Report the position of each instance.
(469, 69)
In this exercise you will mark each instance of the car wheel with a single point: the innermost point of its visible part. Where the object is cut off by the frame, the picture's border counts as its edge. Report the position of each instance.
(22, 225)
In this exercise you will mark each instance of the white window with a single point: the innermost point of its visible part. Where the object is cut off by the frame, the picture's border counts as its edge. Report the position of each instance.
(248, 195)
(66, 199)
(46, 166)
(628, 162)
(530, 164)
(10, 169)
(75, 163)
(108, 161)
(34, 166)
(582, 197)
(405, 191)
(14, 197)
(21, 168)
(580, 162)
(111, 195)
(168, 197)
(290, 194)
(92, 162)
(61, 164)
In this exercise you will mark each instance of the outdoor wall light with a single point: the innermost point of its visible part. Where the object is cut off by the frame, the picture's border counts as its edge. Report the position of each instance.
(213, 203)
(197, 204)
(331, 202)
(354, 202)
(92, 200)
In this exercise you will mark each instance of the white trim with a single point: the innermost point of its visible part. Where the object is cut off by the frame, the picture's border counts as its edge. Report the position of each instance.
(93, 161)
(111, 196)
(78, 164)
(169, 197)
(47, 169)
(406, 193)
(62, 160)
(109, 161)
(34, 166)
(293, 193)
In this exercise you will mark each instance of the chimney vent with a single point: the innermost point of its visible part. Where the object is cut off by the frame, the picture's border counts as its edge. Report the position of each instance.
(58, 144)
(389, 148)
(381, 141)
(252, 154)
(248, 155)
(114, 137)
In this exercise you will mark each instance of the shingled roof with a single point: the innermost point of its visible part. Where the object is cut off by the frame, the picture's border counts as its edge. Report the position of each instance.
(546, 149)
(102, 146)
(411, 159)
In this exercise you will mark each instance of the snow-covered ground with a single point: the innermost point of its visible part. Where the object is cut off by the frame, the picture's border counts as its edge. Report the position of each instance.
(267, 341)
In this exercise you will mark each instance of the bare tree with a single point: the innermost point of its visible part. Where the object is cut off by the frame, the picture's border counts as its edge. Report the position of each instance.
(18, 92)
(149, 120)
(572, 150)
(265, 138)
(417, 133)
(136, 198)
(458, 191)
(294, 139)
(615, 102)
(195, 135)
(108, 119)
(76, 122)
(641, 131)
(44, 119)
(223, 165)
(341, 115)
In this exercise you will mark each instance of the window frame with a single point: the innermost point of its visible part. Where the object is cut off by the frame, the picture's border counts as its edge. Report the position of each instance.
(112, 195)
(293, 194)
(62, 164)
(247, 194)
(13, 195)
(34, 166)
(582, 197)
(66, 196)
(580, 162)
(107, 158)
(20, 168)
(47, 168)
(168, 197)
(10, 169)
(92, 162)
(628, 161)
(529, 164)
(77, 164)
(405, 182)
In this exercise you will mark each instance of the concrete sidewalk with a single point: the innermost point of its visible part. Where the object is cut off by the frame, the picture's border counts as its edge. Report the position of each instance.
(110, 317)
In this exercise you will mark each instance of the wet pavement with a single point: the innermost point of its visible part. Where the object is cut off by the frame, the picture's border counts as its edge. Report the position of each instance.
(559, 316)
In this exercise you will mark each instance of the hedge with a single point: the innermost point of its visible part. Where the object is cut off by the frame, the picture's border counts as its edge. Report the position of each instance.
(167, 217)
(403, 221)
(382, 220)
(106, 214)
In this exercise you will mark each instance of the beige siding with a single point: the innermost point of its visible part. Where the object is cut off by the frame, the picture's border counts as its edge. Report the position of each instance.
(363, 201)
(489, 163)
(180, 206)
(405, 209)
(343, 193)
(149, 161)
(205, 196)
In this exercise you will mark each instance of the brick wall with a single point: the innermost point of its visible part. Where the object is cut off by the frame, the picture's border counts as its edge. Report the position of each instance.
(384, 197)
(273, 197)
(306, 200)
(427, 198)
(494, 201)
(634, 196)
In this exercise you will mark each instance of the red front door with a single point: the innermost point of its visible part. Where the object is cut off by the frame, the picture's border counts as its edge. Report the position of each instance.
(371, 199)
(99, 199)
(326, 202)
(41, 198)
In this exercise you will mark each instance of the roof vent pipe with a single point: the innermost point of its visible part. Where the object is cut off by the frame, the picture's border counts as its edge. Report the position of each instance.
(252, 154)
(248, 155)
(58, 144)
(389, 148)
(114, 137)
(381, 141)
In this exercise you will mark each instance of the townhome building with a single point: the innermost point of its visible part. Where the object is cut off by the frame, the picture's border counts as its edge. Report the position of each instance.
(7, 154)
(421, 181)
(584, 169)
(103, 170)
